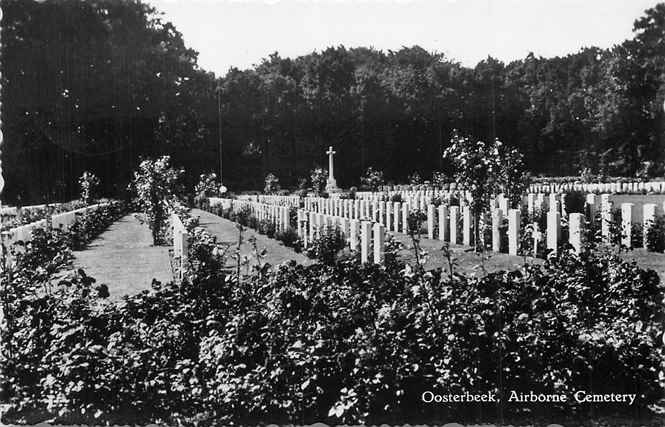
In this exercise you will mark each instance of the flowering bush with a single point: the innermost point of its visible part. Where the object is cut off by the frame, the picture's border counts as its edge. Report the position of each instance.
(415, 179)
(372, 179)
(272, 184)
(319, 178)
(439, 179)
(89, 184)
(327, 245)
(208, 186)
(156, 186)
(486, 170)
(513, 180)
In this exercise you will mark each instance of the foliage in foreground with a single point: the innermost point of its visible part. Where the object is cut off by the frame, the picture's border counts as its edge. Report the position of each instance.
(338, 343)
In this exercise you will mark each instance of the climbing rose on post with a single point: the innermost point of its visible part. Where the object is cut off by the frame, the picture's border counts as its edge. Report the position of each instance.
(156, 186)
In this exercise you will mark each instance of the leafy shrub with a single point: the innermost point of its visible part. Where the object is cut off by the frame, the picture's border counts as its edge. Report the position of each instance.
(327, 245)
(655, 238)
(290, 238)
(336, 343)
(266, 227)
(396, 198)
(242, 216)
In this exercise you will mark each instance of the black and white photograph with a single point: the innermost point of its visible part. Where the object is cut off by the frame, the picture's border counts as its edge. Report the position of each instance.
(329, 213)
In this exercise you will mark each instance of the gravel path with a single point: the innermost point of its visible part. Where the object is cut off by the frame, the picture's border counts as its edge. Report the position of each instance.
(226, 232)
(124, 258)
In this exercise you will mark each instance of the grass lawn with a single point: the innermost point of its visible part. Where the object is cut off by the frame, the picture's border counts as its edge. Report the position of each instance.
(124, 258)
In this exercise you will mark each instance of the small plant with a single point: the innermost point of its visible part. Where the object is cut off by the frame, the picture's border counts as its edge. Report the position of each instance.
(89, 183)
(242, 216)
(415, 222)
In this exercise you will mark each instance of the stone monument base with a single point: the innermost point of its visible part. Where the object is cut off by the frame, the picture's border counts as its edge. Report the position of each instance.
(331, 187)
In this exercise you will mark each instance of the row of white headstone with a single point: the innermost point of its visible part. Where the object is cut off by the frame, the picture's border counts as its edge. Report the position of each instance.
(454, 223)
(361, 235)
(13, 211)
(634, 187)
(293, 201)
(613, 187)
(62, 221)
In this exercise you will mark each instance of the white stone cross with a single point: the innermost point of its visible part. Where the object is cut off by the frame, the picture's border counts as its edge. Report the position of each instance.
(332, 183)
(330, 154)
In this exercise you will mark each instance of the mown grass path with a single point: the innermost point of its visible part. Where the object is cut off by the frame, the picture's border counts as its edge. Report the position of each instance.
(124, 258)
(226, 232)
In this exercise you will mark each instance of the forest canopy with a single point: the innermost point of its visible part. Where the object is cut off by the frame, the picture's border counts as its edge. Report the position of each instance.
(98, 85)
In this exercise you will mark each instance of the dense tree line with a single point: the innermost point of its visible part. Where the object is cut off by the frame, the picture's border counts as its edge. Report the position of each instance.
(97, 85)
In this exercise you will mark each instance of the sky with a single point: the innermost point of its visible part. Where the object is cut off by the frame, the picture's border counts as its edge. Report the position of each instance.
(237, 33)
